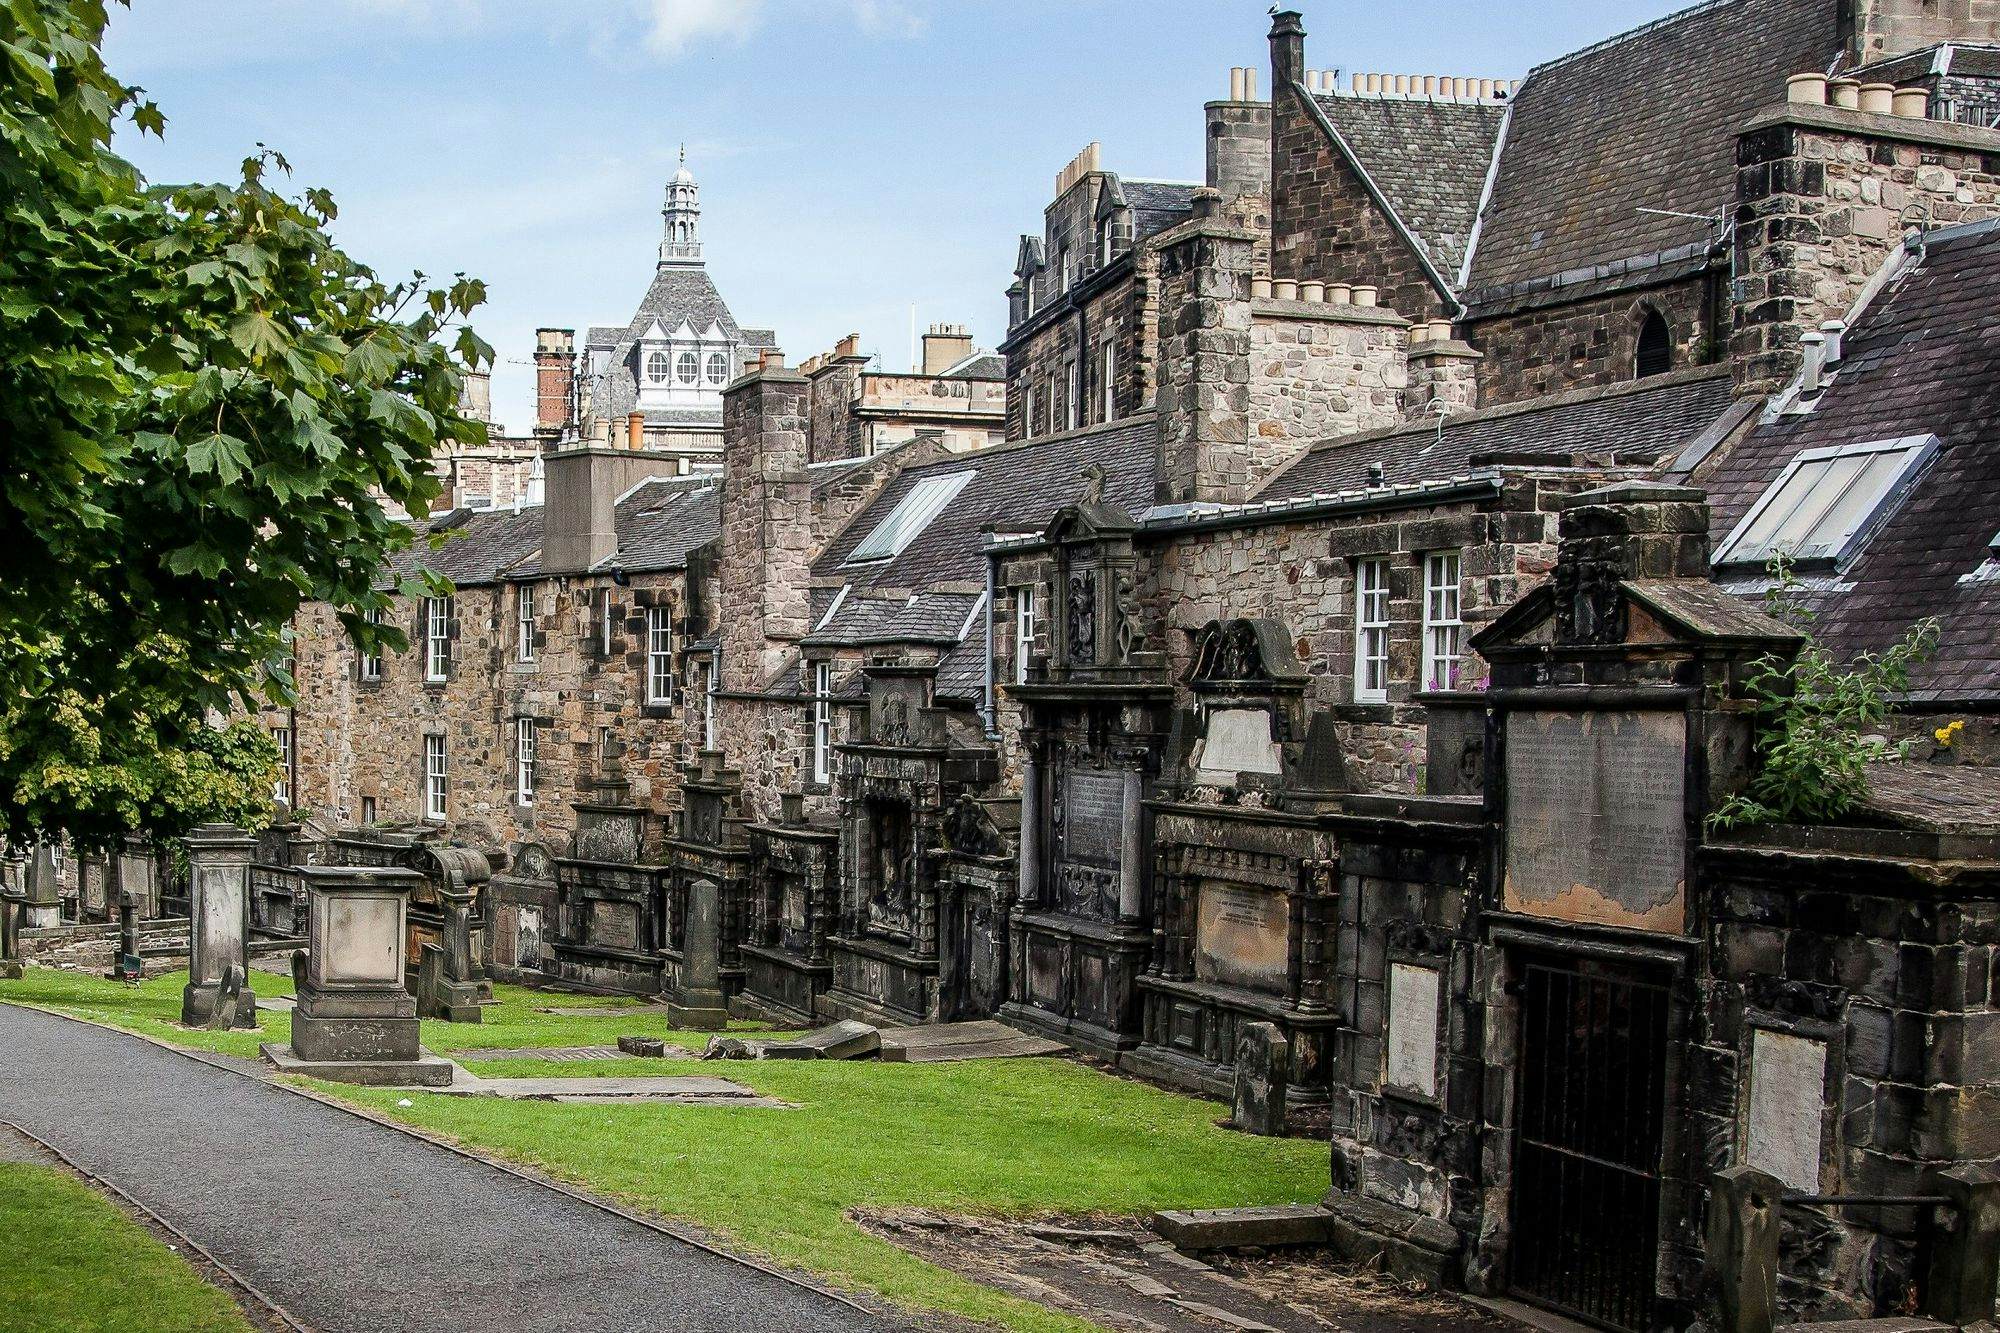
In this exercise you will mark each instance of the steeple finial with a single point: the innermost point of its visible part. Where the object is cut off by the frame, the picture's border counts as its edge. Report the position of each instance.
(682, 242)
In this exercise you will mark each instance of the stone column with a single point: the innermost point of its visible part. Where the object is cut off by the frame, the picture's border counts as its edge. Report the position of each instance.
(219, 858)
(1744, 1205)
(1966, 1261)
(10, 932)
(1131, 851)
(43, 908)
(699, 1004)
(1028, 889)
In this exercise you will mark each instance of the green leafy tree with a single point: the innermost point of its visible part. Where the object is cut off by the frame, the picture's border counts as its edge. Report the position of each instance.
(1818, 719)
(203, 405)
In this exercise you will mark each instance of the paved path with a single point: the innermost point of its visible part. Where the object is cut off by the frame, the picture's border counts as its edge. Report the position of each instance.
(352, 1226)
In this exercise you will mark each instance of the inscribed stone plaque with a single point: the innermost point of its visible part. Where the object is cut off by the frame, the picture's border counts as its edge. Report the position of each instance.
(1596, 825)
(362, 939)
(1787, 1092)
(1238, 740)
(1093, 817)
(1241, 937)
(1413, 1028)
(614, 925)
(528, 938)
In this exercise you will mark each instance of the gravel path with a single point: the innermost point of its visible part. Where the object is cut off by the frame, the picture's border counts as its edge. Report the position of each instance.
(352, 1226)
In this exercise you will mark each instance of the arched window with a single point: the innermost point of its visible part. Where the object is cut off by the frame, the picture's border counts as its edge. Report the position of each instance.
(686, 367)
(718, 367)
(656, 367)
(1656, 347)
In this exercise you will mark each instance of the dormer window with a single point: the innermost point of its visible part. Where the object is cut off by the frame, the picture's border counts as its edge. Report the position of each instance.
(1821, 509)
(687, 367)
(656, 367)
(718, 367)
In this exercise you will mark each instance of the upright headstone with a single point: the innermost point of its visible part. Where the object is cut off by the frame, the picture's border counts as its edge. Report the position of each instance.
(135, 871)
(219, 911)
(699, 1004)
(354, 1022)
(455, 986)
(11, 900)
(1263, 1076)
(43, 909)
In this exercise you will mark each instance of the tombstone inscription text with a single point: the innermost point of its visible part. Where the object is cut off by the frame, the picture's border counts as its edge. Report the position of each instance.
(1242, 938)
(1093, 817)
(1596, 817)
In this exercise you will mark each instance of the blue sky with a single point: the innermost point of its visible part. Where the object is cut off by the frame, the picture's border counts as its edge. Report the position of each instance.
(857, 157)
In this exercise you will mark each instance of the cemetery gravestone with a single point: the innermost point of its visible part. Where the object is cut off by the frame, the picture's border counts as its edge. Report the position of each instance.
(219, 884)
(699, 1004)
(1263, 1077)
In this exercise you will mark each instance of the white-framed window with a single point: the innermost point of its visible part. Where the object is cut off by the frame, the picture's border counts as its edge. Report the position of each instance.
(822, 678)
(437, 638)
(659, 654)
(371, 661)
(1109, 390)
(1823, 506)
(1073, 399)
(718, 367)
(1062, 270)
(1024, 633)
(524, 623)
(912, 514)
(1054, 408)
(281, 790)
(604, 616)
(1443, 626)
(708, 706)
(656, 367)
(687, 367)
(1371, 630)
(1028, 410)
(436, 777)
(524, 760)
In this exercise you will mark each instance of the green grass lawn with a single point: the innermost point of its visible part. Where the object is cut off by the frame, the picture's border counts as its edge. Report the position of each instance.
(1006, 1137)
(74, 1263)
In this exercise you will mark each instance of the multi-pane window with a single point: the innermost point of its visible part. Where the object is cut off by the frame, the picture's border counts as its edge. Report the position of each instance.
(1024, 633)
(718, 367)
(1028, 411)
(604, 614)
(436, 777)
(371, 660)
(1442, 623)
(1824, 505)
(708, 707)
(822, 678)
(659, 654)
(912, 514)
(524, 623)
(1054, 408)
(1072, 400)
(437, 638)
(656, 367)
(1371, 631)
(281, 790)
(687, 366)
(1110, 386)
(524, 760)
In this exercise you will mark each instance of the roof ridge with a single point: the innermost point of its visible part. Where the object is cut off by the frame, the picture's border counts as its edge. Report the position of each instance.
(1665, 20)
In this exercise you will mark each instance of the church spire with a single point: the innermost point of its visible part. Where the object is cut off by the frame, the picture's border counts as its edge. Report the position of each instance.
(682, 242)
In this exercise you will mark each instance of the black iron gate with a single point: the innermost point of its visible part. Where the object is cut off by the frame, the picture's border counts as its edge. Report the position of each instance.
(1587, 1144)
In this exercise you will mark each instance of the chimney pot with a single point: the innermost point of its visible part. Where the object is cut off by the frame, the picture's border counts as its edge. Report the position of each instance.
(635, 430)
(1833, 331)
(1339, 293)
(1260, 289)
(1878, 99)
(1284, 289)
(1312, 291)
(1813, 347)
(1207, 202)
(1236, 83)
(1844, 93)
(1807, 89)
(1249, 84)
(1912, 102)
(1364, 296)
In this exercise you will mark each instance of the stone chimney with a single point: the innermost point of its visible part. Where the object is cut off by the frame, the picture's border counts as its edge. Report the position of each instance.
(767, 543)
(1204, 388)
(555, 383)
(945, 346)
(475, 395)
(1443, 372)
(833, 426)
(1884, 28)
(580, 490)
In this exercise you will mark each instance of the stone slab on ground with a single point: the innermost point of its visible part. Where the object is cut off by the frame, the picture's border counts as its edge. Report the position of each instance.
(426, 1071)
(1233, 1228)
(686, 1090)
(845, 1040)
(983, 1039)
(277, 1004)
(556, 1054)
(1111, 1272)
(218, 1155)
(600, 1010)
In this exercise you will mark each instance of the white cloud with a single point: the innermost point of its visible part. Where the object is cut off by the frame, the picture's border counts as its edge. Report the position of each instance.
(675, 26)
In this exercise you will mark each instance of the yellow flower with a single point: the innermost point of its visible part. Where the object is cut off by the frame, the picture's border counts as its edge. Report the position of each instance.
(1949, 732)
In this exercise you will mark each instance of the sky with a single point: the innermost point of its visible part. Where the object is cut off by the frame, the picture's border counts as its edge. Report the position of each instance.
(857, 158)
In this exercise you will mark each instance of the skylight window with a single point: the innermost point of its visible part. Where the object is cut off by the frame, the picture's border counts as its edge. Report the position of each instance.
(1826, 503)
(912, 514)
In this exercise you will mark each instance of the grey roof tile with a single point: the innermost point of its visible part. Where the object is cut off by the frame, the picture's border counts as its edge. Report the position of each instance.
(679, 292)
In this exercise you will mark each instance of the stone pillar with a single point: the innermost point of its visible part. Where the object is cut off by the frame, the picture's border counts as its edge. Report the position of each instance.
(699, 1003)
(355, 1022)
(1131, 851)
(1204, 366)
(448, 988)
(128, 966)
(1744, 1205)
(1028, 888)
(1965, 1262)
(219, 857)
(43, 907)
(1263, 1077)
(10, 932)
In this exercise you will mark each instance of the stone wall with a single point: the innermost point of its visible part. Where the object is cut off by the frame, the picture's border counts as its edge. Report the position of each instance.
(1824, 196)
(163, 945)
(1239, 148)
(1893, 27)
(1548, 344)
(833, 429)
(1318, 371)
(767, 549)
(1118, 306)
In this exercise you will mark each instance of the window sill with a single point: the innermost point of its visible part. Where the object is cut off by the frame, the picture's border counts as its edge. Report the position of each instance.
(656, 710)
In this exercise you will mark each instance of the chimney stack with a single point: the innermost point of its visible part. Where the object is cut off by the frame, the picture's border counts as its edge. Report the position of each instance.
(945, 346)
(555, 382)
(767, 544)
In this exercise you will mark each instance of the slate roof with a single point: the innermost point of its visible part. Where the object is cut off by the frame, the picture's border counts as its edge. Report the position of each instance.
(479, 545)
(1643, 422)
(1644, 120)
(1016, 488)
(678, 293)
(1924, 358)
(980, 365)
(661, 523)
(1157, 205)
(1428, 158)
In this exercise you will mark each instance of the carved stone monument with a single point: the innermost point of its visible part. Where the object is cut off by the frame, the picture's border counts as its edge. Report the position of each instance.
(219, 896)
(43, 907)
(11, 900)
(1263, 1076)
(452, 988)
(699, 1003)
(355, 1022)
